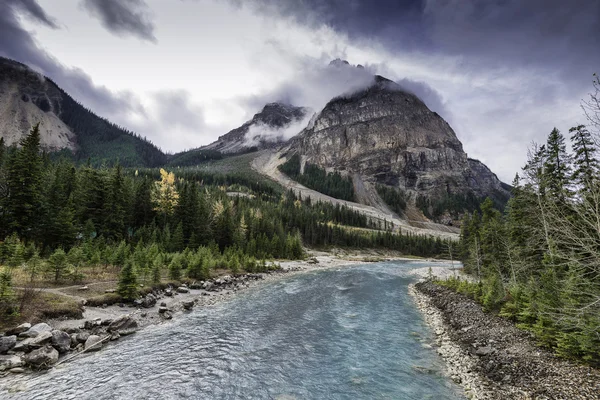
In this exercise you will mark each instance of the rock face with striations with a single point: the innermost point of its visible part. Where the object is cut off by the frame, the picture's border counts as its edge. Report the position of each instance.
(268, 127)
(386, 135)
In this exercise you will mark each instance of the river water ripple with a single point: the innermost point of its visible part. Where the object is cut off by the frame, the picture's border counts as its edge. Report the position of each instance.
(350, 333)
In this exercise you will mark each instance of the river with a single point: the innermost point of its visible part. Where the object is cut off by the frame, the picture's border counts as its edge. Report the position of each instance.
(347, 333)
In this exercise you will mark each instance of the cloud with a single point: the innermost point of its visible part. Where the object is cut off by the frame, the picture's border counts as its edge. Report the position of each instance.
(260, 132)
(18, 44)
(33, 9)
(316, 82)
(172, 119)
(123, 17)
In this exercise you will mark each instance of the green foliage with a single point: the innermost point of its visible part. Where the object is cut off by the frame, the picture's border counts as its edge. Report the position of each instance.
(58, 264)
(331, 184)
(128, 287)
(394, 198)
(175, 267)
(538, 262)
(24, 184)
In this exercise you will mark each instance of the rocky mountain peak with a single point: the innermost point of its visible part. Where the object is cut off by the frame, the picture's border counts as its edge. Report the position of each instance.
(383, 134)
(274, 124)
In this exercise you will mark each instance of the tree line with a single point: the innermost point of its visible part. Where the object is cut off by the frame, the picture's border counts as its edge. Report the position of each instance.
(538, 263)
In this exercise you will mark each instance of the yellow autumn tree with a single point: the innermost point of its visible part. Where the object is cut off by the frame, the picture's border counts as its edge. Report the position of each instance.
(164, 195)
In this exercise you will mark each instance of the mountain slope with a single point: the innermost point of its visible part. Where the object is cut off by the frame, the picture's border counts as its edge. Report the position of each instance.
(27, 97)
(385, 135)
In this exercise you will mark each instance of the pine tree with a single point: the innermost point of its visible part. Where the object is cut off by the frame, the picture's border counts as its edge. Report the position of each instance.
(175, 268)
(177, 239)
(584, 161)
(557, 165)
(115, 206)
(24, 186)
(58, 263)
(143, 212)
(128, 287)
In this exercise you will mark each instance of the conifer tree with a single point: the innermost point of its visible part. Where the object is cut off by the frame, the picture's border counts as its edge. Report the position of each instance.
(24, 186)
(128, 287)
(557, 165)
(58, 263)
(584, 159)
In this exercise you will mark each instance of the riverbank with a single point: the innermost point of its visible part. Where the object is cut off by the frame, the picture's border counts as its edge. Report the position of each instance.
(158, 307)
(491, 358)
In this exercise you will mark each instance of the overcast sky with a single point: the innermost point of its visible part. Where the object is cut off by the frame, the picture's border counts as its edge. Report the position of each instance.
(182, 72)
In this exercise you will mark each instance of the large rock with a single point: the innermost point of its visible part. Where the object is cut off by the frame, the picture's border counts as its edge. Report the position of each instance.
(43, 357)
(93, 343)
(7, 343)
(82, 337)
(11, 361)
(36, 330)
(183, 289)
(23, 346)
(123, 325)
(18, 329)
(188, 305)
(61, 341)
(42, 339)
(149, 301)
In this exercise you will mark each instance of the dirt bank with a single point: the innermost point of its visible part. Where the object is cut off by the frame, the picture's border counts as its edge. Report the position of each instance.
(491, 358)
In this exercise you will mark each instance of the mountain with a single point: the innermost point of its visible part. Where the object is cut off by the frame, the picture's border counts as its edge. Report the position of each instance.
(27, 97)
(384, 135)
(273, 125)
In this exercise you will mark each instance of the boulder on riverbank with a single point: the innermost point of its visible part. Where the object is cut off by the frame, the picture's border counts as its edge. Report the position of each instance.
(35, 330)
(7, 343)
(43, 357)
(123, 325)
(10, 361)
(93, 343)
(61, 341)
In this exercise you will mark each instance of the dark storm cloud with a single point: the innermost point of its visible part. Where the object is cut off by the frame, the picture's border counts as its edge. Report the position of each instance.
(33, 9)
(399, 21)
(123, 17)
(514, 27)
(16, 43)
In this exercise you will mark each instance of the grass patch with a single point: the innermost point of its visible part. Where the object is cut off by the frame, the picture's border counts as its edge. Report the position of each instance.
(33, 305)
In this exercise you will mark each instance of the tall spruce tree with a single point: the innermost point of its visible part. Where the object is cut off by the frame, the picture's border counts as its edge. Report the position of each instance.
(24, 186)
(557, 165)
(585, 162)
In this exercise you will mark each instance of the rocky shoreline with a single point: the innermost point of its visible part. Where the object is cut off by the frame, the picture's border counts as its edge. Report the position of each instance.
(491, 358)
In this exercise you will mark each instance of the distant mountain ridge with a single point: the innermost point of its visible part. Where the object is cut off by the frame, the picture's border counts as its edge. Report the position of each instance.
(27, 97)
(265, 129)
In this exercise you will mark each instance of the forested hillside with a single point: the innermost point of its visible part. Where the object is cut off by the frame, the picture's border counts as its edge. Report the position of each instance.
(538, 263)
(100, 141)
(330, 183)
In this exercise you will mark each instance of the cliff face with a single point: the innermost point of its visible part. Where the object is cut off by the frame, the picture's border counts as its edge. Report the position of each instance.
(389, 136)
(274, 124)
(27, 98)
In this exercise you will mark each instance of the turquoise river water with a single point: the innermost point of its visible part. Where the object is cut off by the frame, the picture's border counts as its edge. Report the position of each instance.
(346, 333)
